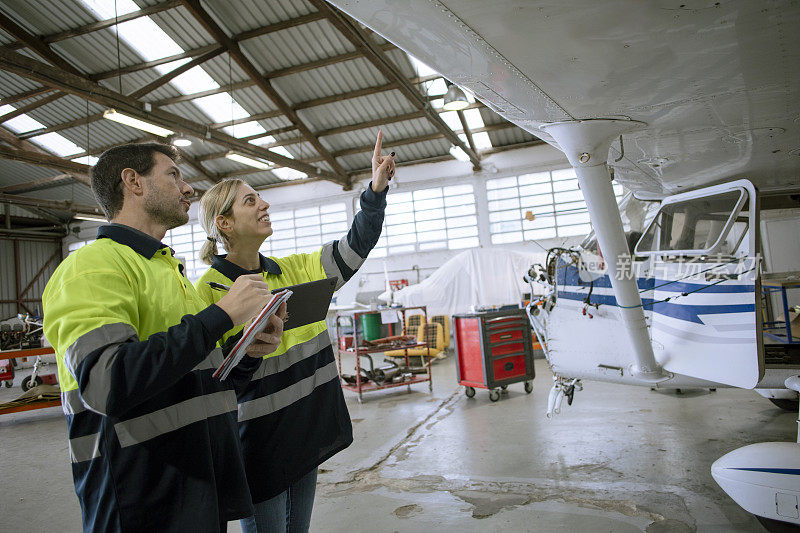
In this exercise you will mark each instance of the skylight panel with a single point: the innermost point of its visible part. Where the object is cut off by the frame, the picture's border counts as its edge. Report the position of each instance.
(438, 87)
(106, 9)
(148, 39)
(268, 139)
(282, 151)
(57, 144)
(53, 142)
(458, 153)
(21, 123)
(86, 160)
(245, 130)
(193, 80)
(220, 108)
(152, 43)
(287, 174)
(474, 119)
(481, 140)
(451, 119)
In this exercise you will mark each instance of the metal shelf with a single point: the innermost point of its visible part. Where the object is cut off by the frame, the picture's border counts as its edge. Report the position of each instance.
(361, 387)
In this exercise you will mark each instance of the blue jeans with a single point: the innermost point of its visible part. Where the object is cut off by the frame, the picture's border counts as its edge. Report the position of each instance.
(288, 512)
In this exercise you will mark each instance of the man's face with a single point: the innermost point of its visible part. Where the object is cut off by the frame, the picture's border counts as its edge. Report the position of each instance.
(166, 195)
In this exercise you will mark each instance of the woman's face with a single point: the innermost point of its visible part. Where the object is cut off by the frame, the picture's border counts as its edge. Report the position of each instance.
(249, 215)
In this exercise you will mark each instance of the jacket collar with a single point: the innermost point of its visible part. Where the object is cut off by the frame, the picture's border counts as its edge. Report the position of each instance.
(139, 241)
(232, 271)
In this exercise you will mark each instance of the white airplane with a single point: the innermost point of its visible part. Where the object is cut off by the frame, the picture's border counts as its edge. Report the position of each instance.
(694, 106)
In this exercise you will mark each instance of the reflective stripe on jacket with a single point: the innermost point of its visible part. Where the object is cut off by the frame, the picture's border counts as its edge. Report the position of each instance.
(292, 414)
(152, 437)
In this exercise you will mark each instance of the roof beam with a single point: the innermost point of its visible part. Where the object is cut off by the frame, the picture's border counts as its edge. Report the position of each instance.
(398, 142)
(66, 205)
(258, 116)
(220, 36)
(25, 95)
(28, 146)
(174, 73)
(78, 170)
(333, 131)
(466, 130)
(385, 66)
(63, 126)
(30, 107)
(85, 88)
(37, 185)
(100, 25)
(98, 76)
(286, 71)
(36, 45)
(239, 38)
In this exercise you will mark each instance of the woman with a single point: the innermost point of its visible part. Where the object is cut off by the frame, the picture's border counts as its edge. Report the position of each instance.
(292, 414)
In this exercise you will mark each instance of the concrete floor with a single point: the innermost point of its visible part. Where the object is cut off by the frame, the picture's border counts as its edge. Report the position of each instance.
(619, 459)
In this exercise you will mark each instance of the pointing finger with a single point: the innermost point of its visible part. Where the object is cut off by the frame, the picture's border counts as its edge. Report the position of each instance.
(378, 144)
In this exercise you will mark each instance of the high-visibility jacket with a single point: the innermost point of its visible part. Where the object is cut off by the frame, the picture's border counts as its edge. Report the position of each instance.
(292, 413)
(152, 436)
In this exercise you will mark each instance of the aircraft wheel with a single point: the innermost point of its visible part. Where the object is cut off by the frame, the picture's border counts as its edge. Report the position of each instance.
(786, 404)
(494, 395)
(528, 387)
(776, 526)
(27, 384)
(469, 391)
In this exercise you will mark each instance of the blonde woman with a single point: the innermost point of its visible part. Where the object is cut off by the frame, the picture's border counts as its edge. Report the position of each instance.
(292, 414)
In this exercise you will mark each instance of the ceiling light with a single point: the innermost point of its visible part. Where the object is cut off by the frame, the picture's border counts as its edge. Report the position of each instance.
(93, 218)
(112, 114)
(233, 156)
(181, 140)
(454, 98)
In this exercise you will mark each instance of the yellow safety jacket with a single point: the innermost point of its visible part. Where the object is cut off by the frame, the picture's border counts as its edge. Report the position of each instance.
(152, 436)
(292, 413)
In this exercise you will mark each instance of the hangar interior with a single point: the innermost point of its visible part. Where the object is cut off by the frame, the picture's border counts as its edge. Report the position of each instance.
(289, 95)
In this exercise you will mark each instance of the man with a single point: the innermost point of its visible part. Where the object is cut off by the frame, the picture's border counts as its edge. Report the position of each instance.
(152, 436)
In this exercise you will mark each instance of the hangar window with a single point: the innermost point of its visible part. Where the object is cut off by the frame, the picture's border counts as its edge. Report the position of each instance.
(306, 229)
(439, 218)
(552, 198)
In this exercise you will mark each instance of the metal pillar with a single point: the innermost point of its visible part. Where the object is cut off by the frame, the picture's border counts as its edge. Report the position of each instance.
(586, 144)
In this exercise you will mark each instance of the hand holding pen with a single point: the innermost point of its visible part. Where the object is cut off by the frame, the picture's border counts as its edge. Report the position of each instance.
(245, 298)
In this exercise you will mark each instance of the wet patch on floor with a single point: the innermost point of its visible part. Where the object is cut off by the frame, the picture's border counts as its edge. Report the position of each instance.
(485, 505)
(670, 526)
(407, 511)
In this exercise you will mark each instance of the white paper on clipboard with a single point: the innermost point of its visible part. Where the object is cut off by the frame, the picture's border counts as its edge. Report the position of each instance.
(239, 351)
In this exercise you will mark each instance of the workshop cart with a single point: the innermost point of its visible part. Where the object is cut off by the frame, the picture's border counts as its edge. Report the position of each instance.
(385, 376)
(48, 379)
(493, 350)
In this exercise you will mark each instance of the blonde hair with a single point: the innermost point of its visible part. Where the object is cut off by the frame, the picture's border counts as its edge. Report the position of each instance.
(218, 200)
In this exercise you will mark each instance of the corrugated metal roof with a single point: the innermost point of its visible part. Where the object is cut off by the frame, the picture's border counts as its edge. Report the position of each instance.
(246, 15)
(96, 52)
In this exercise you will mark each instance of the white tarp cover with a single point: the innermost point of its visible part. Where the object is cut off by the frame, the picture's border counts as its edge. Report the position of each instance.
(480, 277)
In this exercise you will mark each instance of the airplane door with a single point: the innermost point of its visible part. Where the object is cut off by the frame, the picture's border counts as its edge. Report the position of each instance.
(706, 319)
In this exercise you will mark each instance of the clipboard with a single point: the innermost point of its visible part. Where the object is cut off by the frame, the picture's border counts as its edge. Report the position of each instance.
(309, 303)
(239, 350)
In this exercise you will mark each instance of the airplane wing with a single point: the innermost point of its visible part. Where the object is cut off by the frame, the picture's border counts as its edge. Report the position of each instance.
(717, 83)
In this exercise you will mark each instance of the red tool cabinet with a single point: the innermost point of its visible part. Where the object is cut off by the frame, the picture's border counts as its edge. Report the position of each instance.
(493, 350)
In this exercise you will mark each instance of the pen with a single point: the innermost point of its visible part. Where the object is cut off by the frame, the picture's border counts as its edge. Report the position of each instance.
(218, 286)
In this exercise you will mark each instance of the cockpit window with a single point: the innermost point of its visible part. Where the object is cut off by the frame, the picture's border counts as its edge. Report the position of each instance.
(704, 225)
